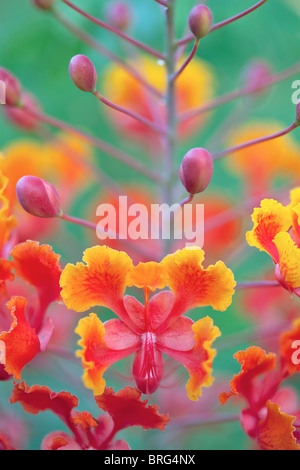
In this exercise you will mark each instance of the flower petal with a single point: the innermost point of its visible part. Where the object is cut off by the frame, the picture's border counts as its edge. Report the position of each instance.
(147, 275)
(194, 286)
(179, 336)
(269, 219)
(276, 431)
(127, 409)
(40, 398)
(21, 341)
(289, 259)
(101, 281)
(254, 362)
(39, 265)
(96, 356)
(198, 360)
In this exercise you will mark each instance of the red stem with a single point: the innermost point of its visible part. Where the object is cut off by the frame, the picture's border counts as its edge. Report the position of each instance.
(188, 60)
(141, 119)
(114, 30)
(191, 37)
(96, 142)
(162, 2)
(89, 40)
(256, 284)
(267, 138)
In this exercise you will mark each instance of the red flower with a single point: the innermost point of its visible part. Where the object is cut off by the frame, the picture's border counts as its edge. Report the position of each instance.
(124, 409)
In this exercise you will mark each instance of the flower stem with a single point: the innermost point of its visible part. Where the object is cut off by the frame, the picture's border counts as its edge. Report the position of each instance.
(141, 119)
(115, 31)
(256, 284)
(261, 140)
(246, 91)
(191, 37)
(97, 46)
(100, 144)
(188, 60)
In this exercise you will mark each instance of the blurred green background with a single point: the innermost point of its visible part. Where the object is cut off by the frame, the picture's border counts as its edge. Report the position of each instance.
(38, 50)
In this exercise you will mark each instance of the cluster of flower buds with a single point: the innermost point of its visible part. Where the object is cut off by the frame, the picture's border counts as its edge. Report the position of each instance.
(38, 197)
(196, 170)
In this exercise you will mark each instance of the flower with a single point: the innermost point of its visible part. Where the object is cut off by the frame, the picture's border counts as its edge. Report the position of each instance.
(32, 325)
(262, 419)
(195, 86)
(149, 330)
(124, 409)
(276, 231)
(260, 164)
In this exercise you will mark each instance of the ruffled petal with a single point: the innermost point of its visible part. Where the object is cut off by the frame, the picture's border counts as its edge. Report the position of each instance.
(195, 286)
(276, 431)
(147, 276)
(127, 409)
(254, 362)
(198, 360)
(95, 355)
(289, 259)
(269, 219)
(100, 281)
(40, 398)
(21, 341)
(39, 266)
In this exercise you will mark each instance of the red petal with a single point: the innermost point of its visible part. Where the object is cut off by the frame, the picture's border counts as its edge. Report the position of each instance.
(127, 409)
(39, 265)
(179, 336)
(21, 341)
(40, 398)
(160, 307)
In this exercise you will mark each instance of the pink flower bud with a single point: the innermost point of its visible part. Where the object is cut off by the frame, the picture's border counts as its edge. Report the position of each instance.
(38, 197)
(257, 76)
(83, 73)
(119, 15)
(44, 4)
(19, 117)
(12, 88)
(196, 170)
(200, 21)
(298, 114)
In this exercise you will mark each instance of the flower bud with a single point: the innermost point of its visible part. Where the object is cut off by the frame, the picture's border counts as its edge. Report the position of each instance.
(38, 197)
(12, 88)
(119, 15)
(200, 21)
(298, 114)
(83, 73)
(256, 76)
(196, 170)
(19, 117)
(44, 4)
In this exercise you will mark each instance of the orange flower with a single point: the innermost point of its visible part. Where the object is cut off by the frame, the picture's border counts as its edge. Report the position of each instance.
(260, 164)
(262, 419)
(271, 233)
(194, 87)
(152, 329)
(123, 410)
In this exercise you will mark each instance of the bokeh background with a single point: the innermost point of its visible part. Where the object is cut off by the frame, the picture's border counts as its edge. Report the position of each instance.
(38, 50)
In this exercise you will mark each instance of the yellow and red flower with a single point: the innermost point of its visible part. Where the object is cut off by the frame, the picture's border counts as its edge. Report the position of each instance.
(262, 419)
(195, 86)
(276, 231)
(149, 330)
(123, 409)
